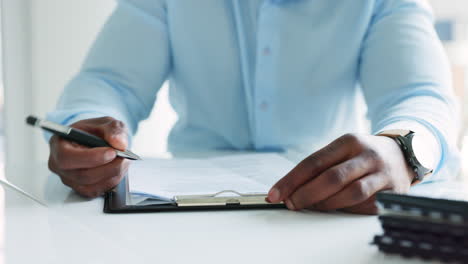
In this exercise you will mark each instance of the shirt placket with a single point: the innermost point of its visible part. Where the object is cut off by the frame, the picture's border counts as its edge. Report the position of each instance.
(263, 84)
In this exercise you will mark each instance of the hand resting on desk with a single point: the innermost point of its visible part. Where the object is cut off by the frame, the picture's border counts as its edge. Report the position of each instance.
(90, 171)
(346, 175)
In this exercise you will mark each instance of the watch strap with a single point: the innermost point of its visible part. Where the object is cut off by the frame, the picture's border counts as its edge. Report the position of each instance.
(393, 133)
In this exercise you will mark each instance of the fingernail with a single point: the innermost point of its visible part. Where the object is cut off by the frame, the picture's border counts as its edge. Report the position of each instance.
(290, 205)
(110, 155)
(274, 195)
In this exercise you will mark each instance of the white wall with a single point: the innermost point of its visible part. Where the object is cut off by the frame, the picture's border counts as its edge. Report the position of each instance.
(17, 80)
(61, 34)
(46, 42)
(451, 9)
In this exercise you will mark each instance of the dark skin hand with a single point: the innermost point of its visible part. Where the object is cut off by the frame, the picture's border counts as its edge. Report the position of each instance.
(91, 171)
(345, 175)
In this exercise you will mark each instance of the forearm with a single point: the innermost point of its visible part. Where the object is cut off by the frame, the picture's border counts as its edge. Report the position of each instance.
(434, 119)
(90, 96)
(406, 80)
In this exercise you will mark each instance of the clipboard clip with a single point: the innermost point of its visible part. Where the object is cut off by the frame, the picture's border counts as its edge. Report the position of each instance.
(222, 198)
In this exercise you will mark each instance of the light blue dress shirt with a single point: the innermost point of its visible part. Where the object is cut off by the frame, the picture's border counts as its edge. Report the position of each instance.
(272, 74)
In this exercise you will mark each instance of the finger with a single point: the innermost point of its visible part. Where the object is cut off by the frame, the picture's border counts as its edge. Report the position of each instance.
(119, 141)
(95, 190)
(92, 123)
(111, 130)
(367, 208)
(116, 135)
(99, 174)
(330, 182)
(334, 153)
(69, 156)
(354, 194)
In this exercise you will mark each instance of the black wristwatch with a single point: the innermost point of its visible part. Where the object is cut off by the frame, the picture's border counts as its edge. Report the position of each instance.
(404, 138)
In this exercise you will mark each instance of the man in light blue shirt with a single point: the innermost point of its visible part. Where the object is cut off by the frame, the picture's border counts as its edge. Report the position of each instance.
(269, 75)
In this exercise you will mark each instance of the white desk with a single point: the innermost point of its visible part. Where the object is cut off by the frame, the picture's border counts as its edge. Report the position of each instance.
(75, 230)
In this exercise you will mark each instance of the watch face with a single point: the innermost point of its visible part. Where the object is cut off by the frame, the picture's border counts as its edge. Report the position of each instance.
(424, 151)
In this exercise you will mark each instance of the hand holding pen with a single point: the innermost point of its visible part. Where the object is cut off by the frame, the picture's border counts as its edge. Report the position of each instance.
(90, 156)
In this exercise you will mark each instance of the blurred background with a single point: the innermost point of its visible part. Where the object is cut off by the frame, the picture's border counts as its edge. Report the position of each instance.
(45, 41)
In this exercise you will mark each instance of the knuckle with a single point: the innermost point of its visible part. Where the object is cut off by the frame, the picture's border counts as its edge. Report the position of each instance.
(354, 141)
(297, 201)
(87, 192)
(312, 162)
(303, 198)
(352, 165)
(368, 207)
(107, 118)
(336, 176)
(51, 164)
(322, 206)
(61, 162)
(84, 176)
(116, 125)
(59, 148)
(352, 138)
(285, 186)
(124, 165)
(90, 194)
(371, 155)
(113, 182)
(81, 190)
(123, 171)
(109, 184)
(116, 128)
(360, 191)
(372, 206)
(65, 180)
(79, 123)
(115, 171)
(53, 142)
(60, 154)
(372, 210)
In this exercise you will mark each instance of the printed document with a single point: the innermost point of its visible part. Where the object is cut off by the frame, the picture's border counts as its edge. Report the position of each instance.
(162, 179)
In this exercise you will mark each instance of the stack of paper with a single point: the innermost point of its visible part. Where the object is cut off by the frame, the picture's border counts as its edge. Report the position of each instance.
(161, 180)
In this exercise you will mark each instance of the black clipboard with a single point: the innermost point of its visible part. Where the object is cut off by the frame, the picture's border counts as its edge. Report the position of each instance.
(115, 202)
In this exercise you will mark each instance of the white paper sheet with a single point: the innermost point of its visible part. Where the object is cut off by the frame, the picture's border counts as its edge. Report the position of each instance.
(246, 173)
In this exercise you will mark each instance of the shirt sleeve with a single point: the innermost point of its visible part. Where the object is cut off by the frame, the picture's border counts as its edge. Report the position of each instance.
(124, 69)
(406, 80)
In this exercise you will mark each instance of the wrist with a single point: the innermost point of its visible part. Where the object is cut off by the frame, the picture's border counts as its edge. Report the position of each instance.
(413, 155)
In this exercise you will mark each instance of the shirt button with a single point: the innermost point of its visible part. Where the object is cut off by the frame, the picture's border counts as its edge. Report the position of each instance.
(266, 51)
(264, 106)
